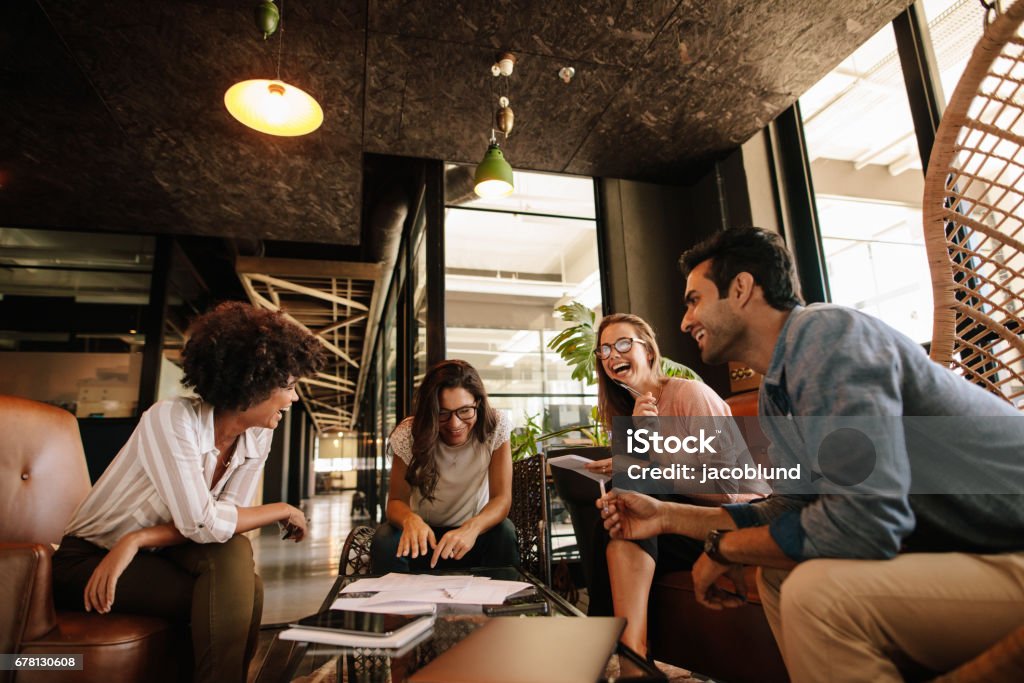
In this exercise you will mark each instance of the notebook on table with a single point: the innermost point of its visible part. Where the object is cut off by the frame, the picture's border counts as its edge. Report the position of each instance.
(340, 628)
(526, 650)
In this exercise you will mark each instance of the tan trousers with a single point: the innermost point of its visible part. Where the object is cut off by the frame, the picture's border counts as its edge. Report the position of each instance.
(865, 620)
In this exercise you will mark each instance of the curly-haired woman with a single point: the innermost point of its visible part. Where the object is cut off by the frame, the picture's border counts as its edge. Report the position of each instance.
(159, 532)
(451, 482)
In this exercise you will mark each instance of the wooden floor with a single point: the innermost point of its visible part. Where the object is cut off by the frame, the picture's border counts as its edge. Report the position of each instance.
(297, 576)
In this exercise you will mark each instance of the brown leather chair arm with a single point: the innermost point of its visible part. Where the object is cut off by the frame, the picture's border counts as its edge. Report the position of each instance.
(26, 594)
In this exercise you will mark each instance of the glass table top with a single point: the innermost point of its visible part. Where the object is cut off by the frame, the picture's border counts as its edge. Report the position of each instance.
(315, 662)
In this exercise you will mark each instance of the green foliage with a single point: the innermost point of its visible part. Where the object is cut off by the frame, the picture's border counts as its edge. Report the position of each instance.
(576, 344)
(674, 369)
(595, 432)
(526, 440)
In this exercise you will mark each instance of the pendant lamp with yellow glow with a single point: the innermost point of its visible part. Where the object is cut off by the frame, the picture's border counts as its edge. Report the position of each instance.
(273, 106)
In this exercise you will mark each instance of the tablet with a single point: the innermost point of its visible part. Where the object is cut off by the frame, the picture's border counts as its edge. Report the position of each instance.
(362, 623)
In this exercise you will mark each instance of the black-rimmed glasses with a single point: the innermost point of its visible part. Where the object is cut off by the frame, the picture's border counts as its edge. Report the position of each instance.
(464, 413)
(622, 345)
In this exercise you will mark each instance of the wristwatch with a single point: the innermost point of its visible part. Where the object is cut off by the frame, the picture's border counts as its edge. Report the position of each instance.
(714, 537)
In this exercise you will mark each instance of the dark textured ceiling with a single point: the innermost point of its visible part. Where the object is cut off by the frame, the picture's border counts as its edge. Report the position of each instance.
(112, 112)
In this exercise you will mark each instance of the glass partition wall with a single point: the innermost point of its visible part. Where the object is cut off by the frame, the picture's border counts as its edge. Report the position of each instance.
(508, 263)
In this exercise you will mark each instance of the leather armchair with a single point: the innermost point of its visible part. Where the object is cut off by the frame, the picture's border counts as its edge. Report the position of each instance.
(43, 478)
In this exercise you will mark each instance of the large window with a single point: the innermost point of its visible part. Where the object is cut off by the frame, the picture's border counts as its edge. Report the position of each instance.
(867, 171)
(508, 264)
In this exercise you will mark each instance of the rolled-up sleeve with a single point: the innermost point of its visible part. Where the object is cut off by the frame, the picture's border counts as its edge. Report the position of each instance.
(170, 456)
(766, 510)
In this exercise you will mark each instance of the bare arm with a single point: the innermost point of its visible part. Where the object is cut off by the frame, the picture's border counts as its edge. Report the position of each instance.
(416, 534)
(499, 476)
(399, 494)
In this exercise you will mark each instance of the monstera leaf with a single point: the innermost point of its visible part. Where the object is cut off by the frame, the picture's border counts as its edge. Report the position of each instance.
(674, 369)
(576, 344)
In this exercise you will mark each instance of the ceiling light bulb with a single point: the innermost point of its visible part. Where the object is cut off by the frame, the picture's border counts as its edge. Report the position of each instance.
(275, 106)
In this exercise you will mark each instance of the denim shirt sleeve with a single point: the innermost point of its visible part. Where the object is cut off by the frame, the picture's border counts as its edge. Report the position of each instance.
(859, 376)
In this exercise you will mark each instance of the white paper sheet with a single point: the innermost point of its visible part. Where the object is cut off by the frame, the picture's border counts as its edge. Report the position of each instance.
(394, 592)
(576, 464)
(397, 581)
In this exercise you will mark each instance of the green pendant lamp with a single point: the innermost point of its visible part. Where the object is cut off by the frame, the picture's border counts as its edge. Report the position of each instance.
(493, 174)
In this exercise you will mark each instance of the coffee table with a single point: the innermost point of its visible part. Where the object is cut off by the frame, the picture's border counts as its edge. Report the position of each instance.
(287, 659)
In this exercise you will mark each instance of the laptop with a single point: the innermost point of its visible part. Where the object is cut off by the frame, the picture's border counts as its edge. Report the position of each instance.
(529, 649)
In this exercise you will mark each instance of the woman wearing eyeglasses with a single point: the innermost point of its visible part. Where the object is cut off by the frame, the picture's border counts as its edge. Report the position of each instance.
(631, 382)
(451, 480)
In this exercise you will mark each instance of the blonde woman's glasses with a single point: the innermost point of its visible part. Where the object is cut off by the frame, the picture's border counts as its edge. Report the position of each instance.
(622, 345)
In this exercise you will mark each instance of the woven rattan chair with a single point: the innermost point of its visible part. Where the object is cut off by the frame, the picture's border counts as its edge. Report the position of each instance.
(974, 216)
(974, 233)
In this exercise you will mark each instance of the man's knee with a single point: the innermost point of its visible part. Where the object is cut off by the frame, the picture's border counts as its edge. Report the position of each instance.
(814, 589)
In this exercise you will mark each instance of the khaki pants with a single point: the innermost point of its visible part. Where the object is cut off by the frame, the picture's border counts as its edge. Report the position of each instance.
(210, 586)
(865, 620)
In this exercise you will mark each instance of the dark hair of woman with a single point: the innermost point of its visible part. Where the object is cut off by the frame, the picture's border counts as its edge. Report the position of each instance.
(449, 374)
(613, 400)
(237, 354)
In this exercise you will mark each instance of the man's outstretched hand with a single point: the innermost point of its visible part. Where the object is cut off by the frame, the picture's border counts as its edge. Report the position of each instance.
(631, 515)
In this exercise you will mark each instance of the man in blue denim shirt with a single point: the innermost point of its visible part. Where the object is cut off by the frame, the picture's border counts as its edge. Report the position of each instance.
(856, 581)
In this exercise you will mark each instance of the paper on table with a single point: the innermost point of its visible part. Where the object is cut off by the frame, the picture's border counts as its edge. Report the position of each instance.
(397, 581)
(478, 591)
(577, 463)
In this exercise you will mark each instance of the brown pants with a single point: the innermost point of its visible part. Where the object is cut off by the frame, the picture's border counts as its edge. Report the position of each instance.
(212, 587)
(867, 620)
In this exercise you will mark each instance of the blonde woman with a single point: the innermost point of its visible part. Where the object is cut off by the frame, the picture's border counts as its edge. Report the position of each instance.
(628, 356)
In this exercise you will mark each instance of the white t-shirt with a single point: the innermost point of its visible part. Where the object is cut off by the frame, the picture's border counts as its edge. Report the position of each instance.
(462, 487)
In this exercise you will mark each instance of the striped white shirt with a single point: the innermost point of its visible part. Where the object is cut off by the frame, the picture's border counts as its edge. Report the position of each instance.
(164, 473)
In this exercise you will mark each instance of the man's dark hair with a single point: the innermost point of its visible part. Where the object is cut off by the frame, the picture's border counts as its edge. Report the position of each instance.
(748, 250)
(238, 354)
